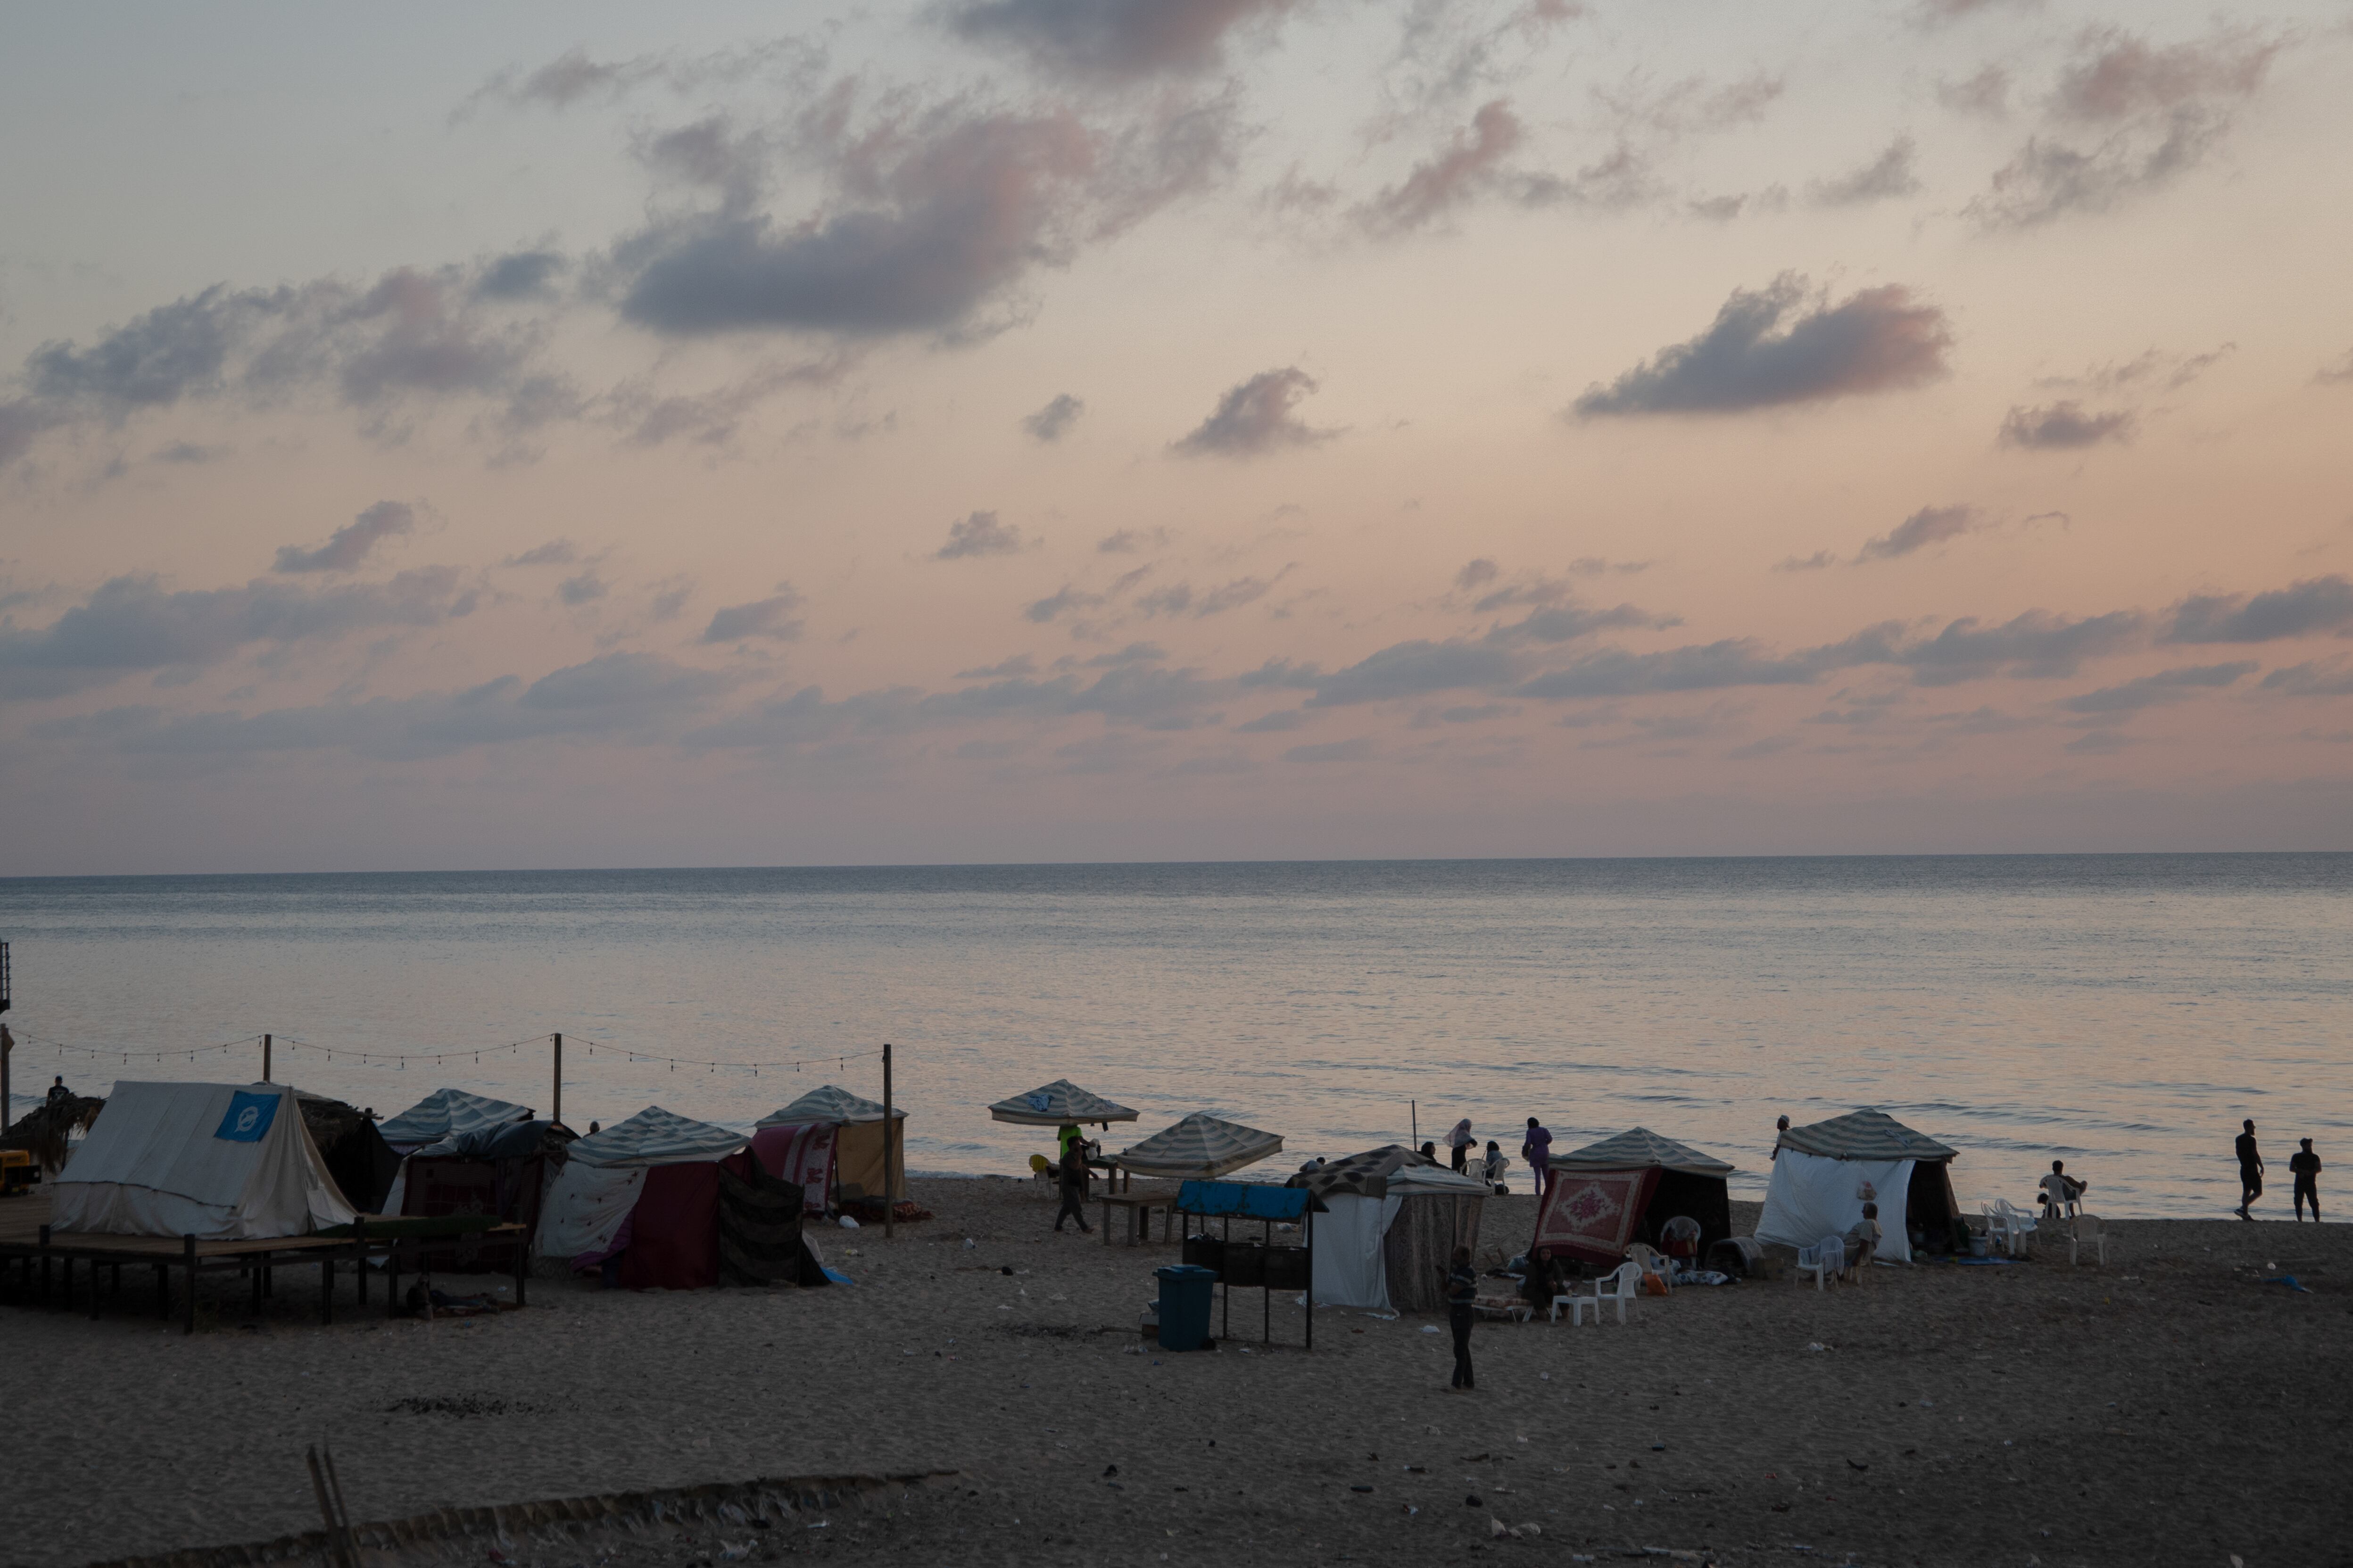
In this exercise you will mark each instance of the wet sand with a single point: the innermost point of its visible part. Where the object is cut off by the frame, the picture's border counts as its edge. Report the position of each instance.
(2172, 1406)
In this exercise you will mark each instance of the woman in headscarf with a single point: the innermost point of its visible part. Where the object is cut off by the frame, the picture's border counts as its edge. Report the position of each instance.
(1460, 1141)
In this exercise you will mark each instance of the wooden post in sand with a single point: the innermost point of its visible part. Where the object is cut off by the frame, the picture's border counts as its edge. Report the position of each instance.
(890, 1146)
(555, 1106)
(265, 1058)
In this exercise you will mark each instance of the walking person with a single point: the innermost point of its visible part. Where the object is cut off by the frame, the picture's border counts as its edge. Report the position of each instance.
(1537, 1151)
(1461, 1291)
(1074, 1188)
(2251, 1169)
(1459, 1142)
(2304, 1166)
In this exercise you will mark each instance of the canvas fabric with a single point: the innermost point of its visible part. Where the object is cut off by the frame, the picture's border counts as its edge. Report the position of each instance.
(760, 1220)
(1809, 1198)
(655, 1137)
(828, 1103)
(584, 1210)
(1864, 1135)
(1350, 1267)
(445, 1111)
(803, 1156)
(1200, 1146)
(1638, 1147)
(1058, 1103)
(674, 1230)
(156, 1163)
(1592, 1214)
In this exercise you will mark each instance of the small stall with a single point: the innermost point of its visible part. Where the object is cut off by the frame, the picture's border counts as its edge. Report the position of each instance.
(1252, 1264)
(1200, 1148)
(1062, 1103)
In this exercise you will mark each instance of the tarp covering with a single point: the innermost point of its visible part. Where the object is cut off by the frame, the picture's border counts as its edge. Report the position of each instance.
(1201, 1146)
(585, 1209)
(674, 1230)
(655, 1137)
(220, 1162)
(829, 1102)
(1349, 1267)
(1811, 1197)
(1242, 1200)
(448, 1111)
(1058, 1104)
(1862, 1135)
(760, 1240)
(1377, 1173)
(803, 1156)
(1592, 1214)
(1636, 1148)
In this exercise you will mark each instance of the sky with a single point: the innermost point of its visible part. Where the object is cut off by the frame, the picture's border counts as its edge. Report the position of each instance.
(1018, 430)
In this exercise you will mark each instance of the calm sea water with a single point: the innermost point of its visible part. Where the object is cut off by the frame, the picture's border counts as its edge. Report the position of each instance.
(2120, 1012)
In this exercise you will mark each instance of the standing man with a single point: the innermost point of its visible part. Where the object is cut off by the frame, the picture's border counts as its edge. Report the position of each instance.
(1537, 1152)
(2251, 1170)
(1459, 1142)
(2304, 1166)
(1461, 1293)
(1074, 1188)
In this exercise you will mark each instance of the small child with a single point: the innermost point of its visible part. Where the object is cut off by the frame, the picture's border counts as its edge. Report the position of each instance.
(1862, 1240)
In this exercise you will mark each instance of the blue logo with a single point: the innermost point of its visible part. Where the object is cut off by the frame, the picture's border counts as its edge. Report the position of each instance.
(249, 1118)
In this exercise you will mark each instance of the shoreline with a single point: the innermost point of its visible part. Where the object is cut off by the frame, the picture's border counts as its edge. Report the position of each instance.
(1952, 1416)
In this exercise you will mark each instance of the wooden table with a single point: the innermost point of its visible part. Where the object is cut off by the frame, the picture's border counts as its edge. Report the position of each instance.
(1115, 1178)
(1139, 1215)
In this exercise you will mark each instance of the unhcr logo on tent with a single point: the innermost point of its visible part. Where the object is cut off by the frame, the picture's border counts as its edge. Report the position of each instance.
(248, 1118)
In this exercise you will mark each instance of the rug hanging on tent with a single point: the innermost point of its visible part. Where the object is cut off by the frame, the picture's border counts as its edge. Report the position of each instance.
(1592, 1215)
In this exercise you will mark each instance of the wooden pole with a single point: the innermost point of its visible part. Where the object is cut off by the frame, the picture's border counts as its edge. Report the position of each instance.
(555, 1106)
(265, 1059)
(1413, 1109)
(889, 1147)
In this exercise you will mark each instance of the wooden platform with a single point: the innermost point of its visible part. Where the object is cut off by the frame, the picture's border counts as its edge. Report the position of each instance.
(32, 1256)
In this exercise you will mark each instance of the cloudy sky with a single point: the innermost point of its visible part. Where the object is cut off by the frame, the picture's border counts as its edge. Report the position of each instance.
(1108, 429)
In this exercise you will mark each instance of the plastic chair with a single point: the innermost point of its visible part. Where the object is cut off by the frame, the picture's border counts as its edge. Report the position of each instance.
(2010, 1226)
(1825, 1261)
(1041, 1170)
(1621, 1286)
(2088, 1230)
(1650, 1260)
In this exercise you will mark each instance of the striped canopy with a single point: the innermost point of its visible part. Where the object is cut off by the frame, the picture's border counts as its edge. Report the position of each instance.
(1200, 1147)
(829, 1103)
(1377, 1173)
(655, 1137)
(1638, 1148)
(1864, 1135)
(1059, 1104)
(446, 1111)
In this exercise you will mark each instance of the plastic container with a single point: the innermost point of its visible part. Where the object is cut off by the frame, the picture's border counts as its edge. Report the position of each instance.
(1183, 1306)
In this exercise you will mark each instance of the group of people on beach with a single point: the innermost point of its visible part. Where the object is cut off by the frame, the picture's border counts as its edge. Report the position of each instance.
(2302, 1167)
(1535, 1149)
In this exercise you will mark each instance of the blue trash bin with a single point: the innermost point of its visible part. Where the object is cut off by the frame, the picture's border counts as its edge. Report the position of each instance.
(1185, 1306)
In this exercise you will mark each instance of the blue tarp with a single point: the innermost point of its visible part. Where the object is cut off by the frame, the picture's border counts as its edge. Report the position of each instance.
(1244, 1200)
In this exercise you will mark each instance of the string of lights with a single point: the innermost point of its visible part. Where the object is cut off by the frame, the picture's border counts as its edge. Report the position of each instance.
(400, 1059)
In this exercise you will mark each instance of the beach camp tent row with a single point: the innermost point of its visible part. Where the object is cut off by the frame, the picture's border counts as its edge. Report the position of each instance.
(1607, 1195)
(1822, 1173)
(1391, 1220)
(220, 1161)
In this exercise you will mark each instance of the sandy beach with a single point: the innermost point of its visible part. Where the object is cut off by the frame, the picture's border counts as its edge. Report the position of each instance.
(2172, 1406)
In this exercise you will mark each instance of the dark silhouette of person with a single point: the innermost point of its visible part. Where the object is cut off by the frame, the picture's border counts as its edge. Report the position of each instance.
(2304, 1166)
(1074, 1188)
(2251, 1169)
(1461, 1291)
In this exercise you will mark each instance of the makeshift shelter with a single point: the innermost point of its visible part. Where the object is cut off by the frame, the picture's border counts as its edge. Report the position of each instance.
(1820, 1172)
(1607, 1195)
(1392, 1221)
(215, 1160)
(645, 1191)
(362, 1162)
(860, 1144)
(502, 1170)
(1060, 1103)
(1199, 1147)
(446, 1111)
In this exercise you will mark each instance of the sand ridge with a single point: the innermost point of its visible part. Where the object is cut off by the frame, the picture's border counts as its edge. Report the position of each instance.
(2170, 1406)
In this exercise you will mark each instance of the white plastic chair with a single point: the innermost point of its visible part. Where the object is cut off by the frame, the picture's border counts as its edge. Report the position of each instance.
(1622, 1285)
(1650, 1260)
(2015, 1226)
(2088, 1230)
(2062, 1197)
(1826, 1259)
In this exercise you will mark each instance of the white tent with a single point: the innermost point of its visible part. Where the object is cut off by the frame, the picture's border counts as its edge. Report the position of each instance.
(1060, 1103)
(216, 1161)
(1200, 1147)
(1820, 1172)
(1365, 1197)
(446, 1111)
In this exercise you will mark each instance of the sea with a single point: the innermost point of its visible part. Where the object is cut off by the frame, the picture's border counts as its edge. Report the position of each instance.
(2120, 1012)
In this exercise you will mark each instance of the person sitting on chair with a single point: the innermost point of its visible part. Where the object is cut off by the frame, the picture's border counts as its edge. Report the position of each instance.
(1862, 1240)
(2061, 1190)
(1492, 1173)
